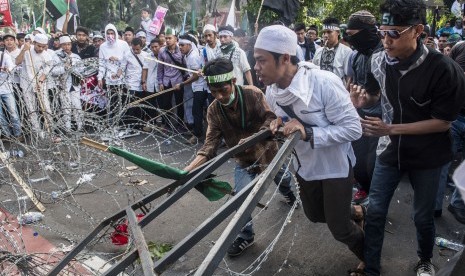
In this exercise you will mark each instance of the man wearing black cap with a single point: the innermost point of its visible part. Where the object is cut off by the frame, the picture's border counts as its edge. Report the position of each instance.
(421, 94)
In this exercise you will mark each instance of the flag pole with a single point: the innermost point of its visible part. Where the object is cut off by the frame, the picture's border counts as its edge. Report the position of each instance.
(45, 11)
(68, 4)
(258, 17)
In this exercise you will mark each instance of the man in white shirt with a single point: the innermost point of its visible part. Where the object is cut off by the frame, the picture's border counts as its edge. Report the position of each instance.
(150, 81)
(231, 51)
(212, 43)
(133, 63)
(36, 65)
(66, 63)
(13, 51)
(7, 99)
(195, 86)
(333, 56)
(314, 102)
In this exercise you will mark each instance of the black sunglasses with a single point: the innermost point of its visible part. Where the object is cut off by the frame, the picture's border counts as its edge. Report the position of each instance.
(394, 34)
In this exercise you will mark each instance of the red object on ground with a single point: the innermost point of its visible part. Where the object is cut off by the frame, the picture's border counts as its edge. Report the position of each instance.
(121, 236)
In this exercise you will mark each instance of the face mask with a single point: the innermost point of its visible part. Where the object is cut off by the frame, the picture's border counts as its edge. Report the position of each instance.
(231, 99)
(364, 41)
(110, 38)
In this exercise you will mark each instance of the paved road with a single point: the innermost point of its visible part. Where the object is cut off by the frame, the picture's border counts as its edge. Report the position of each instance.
(304, 248)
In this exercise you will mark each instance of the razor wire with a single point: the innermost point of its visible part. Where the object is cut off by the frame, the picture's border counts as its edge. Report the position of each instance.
(61, 172)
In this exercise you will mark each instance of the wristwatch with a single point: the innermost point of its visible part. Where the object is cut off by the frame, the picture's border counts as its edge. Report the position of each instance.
(309, 136)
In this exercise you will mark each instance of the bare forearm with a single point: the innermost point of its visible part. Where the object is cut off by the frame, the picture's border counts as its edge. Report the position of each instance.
(19, 59)
(248, 77)
(420, 128)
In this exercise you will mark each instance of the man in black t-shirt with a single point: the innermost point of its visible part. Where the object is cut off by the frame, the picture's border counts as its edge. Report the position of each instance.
(81, 47)
(422, 92)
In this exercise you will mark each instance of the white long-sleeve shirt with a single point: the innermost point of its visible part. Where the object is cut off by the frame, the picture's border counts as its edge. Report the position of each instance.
(17, 69)
(151, 65)
(5, 76)
(331, 115)
(63, 75)
(42, 65)
(133, 70)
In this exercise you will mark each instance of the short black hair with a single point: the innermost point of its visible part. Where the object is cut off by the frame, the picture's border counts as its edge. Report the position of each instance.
(155, 40)
(146, 10)
(137, 41)
(444, 34)
(20, 36)
(226, 28)
(129, 29)
(82, 30)
(405, 10)
(314, 28)
(276, 56)
(331, 21)
(187, 37)
(299, 27)
(218, 66)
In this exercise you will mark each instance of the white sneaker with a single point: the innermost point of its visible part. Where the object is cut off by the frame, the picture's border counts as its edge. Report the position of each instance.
(424, 268)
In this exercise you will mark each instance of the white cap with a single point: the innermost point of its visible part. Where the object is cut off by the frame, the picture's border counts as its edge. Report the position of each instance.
(65, 39)
(209, 27)
(41, 39)
(40, 30)
(97, 36)
(141, 34)
(277, 39)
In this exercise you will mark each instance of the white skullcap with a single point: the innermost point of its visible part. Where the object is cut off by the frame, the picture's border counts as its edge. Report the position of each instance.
(141, 34)
(98, 36)
(277, 39)
(41, 39)
(40, 30)
(65, 39)
(209, 27)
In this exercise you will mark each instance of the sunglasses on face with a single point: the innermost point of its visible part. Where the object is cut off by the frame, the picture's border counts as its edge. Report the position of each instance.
(394, 34)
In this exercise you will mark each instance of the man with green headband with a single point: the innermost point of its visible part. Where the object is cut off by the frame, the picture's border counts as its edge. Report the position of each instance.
(237, 113)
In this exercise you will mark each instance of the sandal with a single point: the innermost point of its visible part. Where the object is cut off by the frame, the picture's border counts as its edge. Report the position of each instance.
(359, 271)
(361, 221)
(356, 272)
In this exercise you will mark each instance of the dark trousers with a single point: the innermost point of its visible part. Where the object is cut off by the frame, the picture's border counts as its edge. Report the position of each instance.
(197, 110)
(329, 201)
(151, 105)
(165, 102)
(385, 181)
(133, 115)
(365, 152)
(116, 101)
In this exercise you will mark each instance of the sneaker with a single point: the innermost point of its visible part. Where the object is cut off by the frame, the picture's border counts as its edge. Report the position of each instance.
(424, 268)
(359, 196)
(290, 199)
(238, 246)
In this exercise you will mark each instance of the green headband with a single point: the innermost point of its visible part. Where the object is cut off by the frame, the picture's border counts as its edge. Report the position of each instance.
(220, 78)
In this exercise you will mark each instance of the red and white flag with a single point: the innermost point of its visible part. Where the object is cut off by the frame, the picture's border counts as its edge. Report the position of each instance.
(5, 14)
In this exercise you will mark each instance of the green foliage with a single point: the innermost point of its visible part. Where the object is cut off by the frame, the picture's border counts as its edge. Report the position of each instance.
(158, 250)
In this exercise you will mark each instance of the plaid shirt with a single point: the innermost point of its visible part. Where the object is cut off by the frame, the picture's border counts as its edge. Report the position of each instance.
(258, 116)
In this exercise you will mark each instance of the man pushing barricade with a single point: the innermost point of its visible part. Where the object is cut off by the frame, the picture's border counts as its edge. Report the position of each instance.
(237, 113)
(316, 103)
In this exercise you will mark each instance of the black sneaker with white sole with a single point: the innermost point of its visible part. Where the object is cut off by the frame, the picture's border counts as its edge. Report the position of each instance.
(238, 246)
(424, 268)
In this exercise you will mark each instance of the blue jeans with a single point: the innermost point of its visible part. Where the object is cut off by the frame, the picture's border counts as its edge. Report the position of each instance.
(8, 105)
(242, 177)
(384, 183)
(458, 143)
